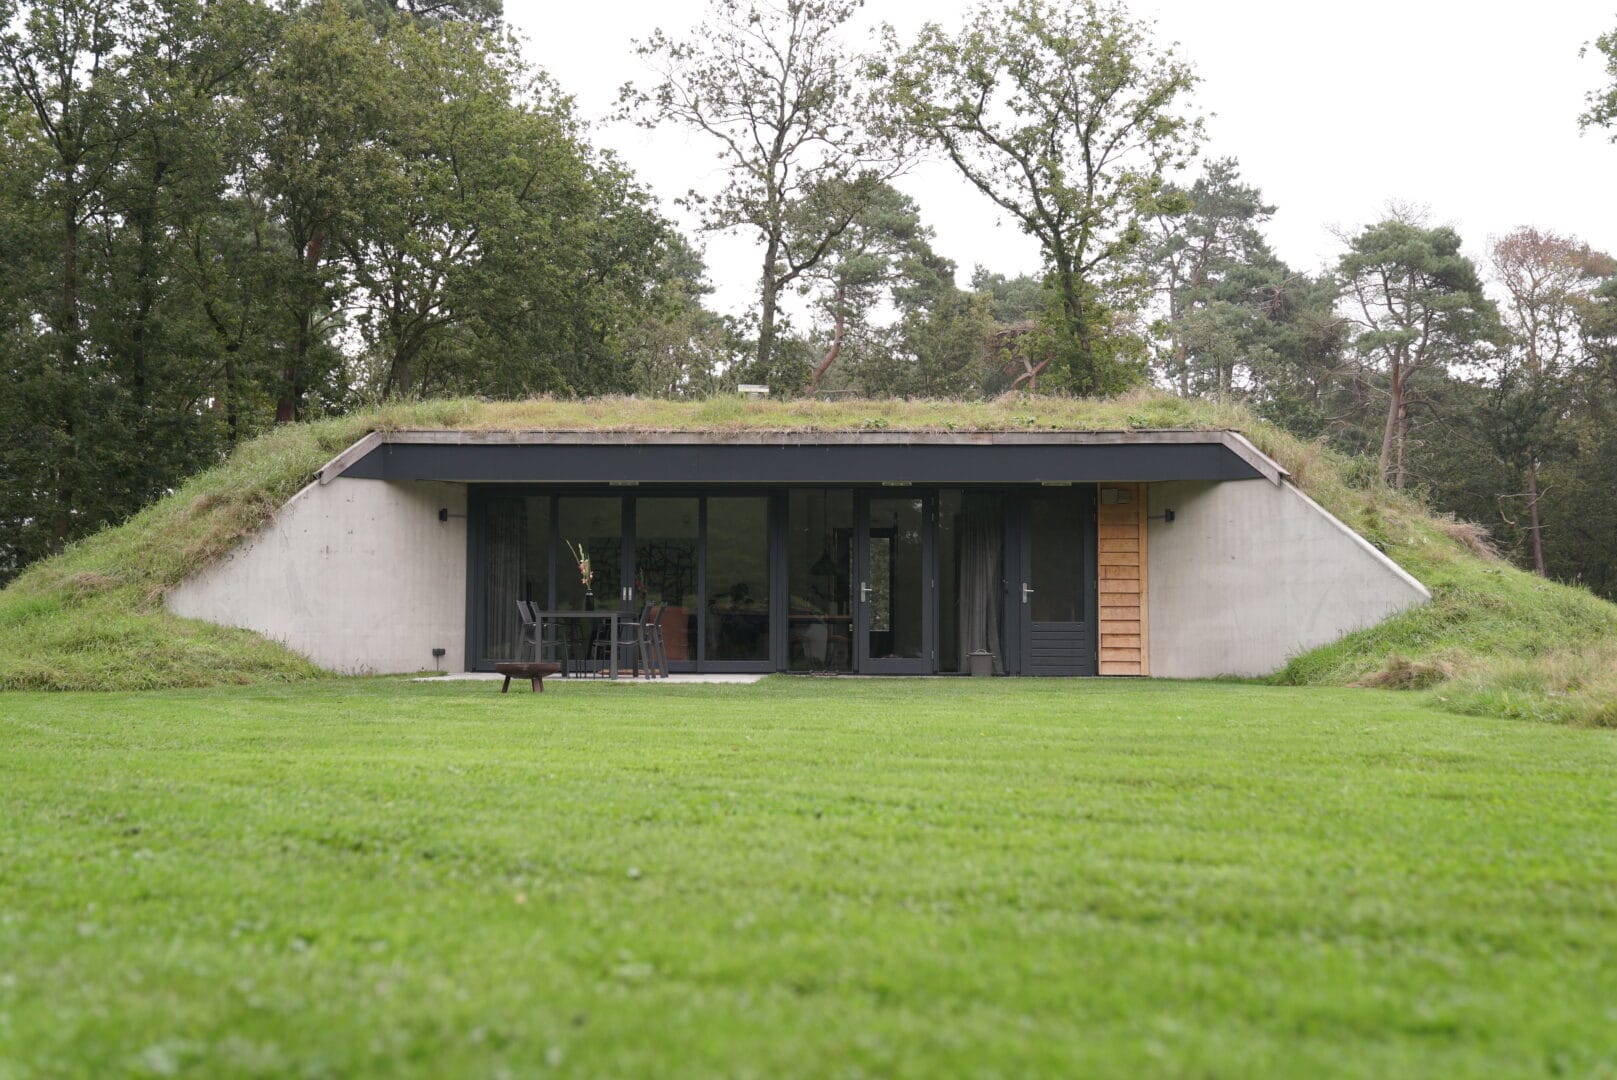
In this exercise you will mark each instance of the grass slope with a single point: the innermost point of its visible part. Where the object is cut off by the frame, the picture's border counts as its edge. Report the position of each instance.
(1504, 641)
(826, 878)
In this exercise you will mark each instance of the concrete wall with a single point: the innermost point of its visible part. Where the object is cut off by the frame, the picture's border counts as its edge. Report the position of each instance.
(1250, 574)
(360, 576)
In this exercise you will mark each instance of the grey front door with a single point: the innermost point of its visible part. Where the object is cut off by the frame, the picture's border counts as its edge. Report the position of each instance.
(1054, 593)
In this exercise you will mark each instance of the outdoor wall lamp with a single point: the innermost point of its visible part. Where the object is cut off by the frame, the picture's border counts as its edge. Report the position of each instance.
(445, 515)
(1166, 517)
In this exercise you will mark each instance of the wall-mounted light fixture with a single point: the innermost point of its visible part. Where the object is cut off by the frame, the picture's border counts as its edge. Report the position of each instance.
(1166, 517)
(445, 515)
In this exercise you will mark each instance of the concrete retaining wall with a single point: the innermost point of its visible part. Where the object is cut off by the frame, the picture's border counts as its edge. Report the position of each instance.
(1250, 574)
(360, 576)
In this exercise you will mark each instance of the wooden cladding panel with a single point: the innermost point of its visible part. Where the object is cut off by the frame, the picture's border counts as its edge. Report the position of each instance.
(1124, 629)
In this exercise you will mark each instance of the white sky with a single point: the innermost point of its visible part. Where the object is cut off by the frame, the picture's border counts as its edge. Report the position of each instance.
(1333, 109)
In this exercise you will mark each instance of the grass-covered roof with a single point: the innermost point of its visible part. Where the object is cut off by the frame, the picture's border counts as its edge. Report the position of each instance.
(1495, 639)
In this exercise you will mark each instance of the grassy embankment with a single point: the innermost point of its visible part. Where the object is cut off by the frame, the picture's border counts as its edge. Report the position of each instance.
(837, 878)
(1496, 641)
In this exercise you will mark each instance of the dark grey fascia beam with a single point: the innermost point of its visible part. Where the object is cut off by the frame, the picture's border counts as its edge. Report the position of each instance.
(805, 458)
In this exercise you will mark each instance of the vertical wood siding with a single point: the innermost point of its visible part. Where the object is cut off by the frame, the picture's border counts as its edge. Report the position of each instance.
(1121, 558)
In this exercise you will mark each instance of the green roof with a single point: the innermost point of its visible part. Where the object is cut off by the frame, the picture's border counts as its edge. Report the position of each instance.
(92, 618)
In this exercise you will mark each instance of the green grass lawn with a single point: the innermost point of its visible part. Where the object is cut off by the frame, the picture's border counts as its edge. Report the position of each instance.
(801, 878)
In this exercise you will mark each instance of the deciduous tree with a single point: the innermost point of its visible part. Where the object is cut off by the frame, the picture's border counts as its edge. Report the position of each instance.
(1067, 117)
(773, 85)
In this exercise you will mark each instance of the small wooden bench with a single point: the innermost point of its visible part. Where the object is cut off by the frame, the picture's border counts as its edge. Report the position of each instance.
(532, 670)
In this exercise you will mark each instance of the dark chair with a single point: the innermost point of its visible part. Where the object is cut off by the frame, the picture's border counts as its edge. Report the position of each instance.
(542, 642)
(654, 639)
(633, 637)
(528, 632)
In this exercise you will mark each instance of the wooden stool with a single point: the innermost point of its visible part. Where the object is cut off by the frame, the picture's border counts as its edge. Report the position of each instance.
(532, 670)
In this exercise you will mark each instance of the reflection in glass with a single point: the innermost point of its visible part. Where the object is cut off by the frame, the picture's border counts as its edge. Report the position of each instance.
(665, 567)
(897, 585)
(819, 561)
(1055, 545)
(596, 525)
(738, 578)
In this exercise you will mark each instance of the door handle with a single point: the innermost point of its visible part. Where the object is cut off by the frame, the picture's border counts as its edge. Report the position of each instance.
(1027, 591)
(864, 593)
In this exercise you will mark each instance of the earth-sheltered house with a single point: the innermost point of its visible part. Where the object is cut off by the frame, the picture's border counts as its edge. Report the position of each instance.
(1178, 553)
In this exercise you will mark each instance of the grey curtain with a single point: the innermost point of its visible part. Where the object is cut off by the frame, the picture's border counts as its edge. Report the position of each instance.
(980, 544)
(505, 573)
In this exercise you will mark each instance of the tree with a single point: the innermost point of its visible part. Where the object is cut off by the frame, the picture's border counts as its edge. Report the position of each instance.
(60, 66)
(1209, 259)
(1419, 306)
(1602, 111)
(944, 331)
(1298, 373)
(316, 162)
(677, 348)
(771, 83)
(482, 202)
(217, 213)
(882, 245)
(1546, 279)
(1067, 117)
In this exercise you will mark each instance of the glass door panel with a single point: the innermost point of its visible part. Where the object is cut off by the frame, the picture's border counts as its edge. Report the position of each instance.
(594, 526)
(666, 531)
(516, 566)
(971, 579)
(895, 589)
(819, 558)
(1055, 548)
(737, 579)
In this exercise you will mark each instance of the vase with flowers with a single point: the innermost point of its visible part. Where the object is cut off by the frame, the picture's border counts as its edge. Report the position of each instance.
(586, 574)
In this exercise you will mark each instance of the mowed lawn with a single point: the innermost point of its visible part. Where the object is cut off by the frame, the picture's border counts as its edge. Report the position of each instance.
(801, 878)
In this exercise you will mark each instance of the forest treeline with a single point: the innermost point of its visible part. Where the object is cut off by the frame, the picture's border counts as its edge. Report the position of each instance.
(219, 216)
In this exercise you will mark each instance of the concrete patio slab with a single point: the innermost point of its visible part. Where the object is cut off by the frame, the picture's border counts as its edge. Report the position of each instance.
(677, 679)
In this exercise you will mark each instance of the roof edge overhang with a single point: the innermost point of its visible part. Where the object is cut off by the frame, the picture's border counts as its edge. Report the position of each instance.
(440, 454)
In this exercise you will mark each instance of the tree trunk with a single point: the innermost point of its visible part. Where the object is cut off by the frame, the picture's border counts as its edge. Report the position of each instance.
(232, 409)
(1533, 526)
(287, 406)
(836, 343)
(769, 288)
(1072, 303)
(1403, 439)
(145, 291)
(1395, 404)
(68, 356)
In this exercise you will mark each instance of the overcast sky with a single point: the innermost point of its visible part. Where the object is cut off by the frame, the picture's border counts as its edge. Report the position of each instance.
(1332, 109)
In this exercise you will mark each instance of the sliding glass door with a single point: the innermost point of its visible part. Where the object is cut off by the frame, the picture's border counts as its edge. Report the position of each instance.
(706, 562)
(667, 570)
